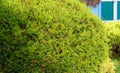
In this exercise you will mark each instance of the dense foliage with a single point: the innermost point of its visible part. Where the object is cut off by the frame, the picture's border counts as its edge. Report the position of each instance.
(50, 36)
(113, 29)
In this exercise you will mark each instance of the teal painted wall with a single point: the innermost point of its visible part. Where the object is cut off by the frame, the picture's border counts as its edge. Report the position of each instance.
(118, 10)
(107, 10)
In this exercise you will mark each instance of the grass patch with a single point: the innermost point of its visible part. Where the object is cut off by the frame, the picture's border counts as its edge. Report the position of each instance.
(117, 65)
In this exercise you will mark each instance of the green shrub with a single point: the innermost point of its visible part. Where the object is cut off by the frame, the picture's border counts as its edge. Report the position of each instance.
(50, 36)
(113, 29)
(117, 65)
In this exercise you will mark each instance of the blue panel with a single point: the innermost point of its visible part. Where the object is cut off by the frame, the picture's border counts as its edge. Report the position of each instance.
(100, 10)
(118, 10)
(107, 10)
(97, 10)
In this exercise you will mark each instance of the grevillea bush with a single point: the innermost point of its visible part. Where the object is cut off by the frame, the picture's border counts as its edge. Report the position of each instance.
(50, 36)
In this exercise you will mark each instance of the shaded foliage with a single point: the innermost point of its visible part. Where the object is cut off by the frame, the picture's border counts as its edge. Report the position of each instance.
(113, 29)
(92, 3)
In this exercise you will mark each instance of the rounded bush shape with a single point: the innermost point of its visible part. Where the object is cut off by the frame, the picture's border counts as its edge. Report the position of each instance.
(50, 36)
